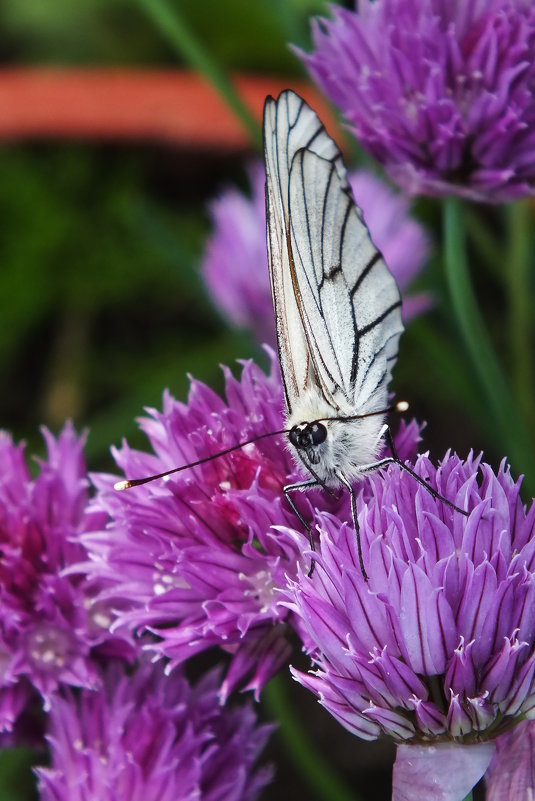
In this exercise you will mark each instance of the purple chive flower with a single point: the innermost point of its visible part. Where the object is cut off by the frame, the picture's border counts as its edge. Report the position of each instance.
(235, 266)
(441, 92)
(511, 774)
(50, 629)
(438, 646)
(151, 737)
(196, 559)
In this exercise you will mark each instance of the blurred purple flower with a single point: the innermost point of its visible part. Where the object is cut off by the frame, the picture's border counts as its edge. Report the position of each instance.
(152, 737)
(195, 559)
(438, 647)
(441, 92)
(511, 774)
(235, 266)
(16, 699)
(49, 626)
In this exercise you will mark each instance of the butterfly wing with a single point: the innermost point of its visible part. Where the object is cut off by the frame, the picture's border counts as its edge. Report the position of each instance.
(289, 125)
(337, 306)
(349, 301)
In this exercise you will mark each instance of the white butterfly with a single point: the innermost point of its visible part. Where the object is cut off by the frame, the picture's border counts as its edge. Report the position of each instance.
(337, 306)
(337, 310)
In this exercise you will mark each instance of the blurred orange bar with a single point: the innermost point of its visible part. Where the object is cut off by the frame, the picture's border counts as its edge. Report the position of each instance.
(117, 104)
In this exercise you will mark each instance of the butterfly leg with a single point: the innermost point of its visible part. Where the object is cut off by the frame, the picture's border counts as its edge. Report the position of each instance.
(351, 491)
(302, 486)
(395, 458)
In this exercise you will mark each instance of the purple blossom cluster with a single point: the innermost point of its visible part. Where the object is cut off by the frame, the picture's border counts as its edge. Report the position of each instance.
(440, 643)
(437, 648)
(152, 737)
(441, 92)
(195, 557)
(235, 265)
(52, 627)
(116, 732)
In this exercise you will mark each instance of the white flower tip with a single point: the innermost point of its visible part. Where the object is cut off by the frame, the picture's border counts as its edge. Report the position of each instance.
(402, 406)
(122, 485)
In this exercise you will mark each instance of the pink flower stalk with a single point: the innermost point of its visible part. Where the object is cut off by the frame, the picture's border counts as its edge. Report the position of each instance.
(511, 774)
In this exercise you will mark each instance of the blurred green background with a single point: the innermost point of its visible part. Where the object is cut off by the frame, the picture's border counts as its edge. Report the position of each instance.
(102, 301)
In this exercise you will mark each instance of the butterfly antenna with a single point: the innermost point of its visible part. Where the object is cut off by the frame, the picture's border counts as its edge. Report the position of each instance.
(136, 482)
(400, 407)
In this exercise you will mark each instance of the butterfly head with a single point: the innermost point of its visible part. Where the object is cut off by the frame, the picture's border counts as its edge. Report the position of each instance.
(307, 437)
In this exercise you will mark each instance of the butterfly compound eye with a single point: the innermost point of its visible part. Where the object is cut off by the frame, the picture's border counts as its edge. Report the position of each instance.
(295, 437)
(318, 433)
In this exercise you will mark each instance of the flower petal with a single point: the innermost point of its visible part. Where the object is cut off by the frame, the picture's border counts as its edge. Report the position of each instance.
(443, 772)
(511, 774)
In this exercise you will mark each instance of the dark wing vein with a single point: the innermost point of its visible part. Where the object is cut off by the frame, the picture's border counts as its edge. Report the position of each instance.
(379, 319)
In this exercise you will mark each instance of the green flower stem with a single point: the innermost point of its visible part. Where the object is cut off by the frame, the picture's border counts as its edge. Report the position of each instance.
(511, 435)
(439, 358)
(516, 270)
(487, 243)
(323, 783)
(469, 796)
(171, 23)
